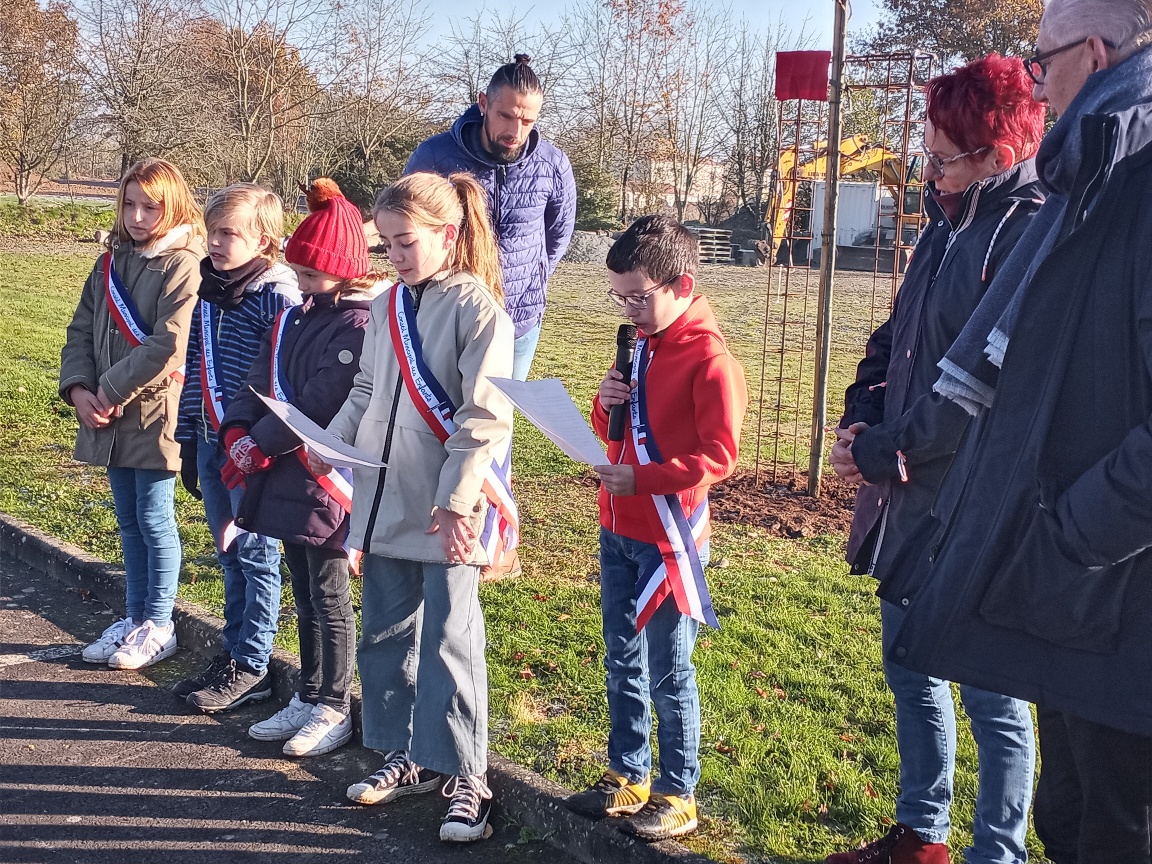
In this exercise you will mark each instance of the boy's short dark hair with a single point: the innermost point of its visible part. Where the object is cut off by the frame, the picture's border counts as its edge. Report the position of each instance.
(659, 246)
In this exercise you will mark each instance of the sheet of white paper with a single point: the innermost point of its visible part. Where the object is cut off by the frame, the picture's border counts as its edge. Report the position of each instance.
(550, 409)
(319, 440)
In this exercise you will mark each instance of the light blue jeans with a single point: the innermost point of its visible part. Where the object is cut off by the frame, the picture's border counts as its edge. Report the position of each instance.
(653, 667)
(423, 676)
(926, 739)
(146, 514)
(251, 568)
(524, 351)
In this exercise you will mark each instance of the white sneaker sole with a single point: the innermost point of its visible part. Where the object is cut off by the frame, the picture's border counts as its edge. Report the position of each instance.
(274, 736)
(93, 659)
(255, 696)
(129, 667)
(458, 832)
(368, 794)
(323, 747)
(687, 828)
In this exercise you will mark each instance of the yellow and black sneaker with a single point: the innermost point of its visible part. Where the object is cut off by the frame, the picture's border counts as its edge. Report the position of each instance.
(663, 817)
(611, 795)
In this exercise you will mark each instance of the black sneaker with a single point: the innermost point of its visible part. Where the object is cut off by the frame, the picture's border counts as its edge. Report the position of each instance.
(233, 686)
(399, 777)
(662, 818)
(467, 818)
(185, 688)
(611, 795)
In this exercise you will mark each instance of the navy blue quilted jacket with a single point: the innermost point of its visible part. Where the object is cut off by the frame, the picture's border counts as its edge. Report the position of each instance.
(532, 202)
(240, 333)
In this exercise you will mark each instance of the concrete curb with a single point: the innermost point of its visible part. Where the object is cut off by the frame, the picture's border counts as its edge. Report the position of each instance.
(528, 798)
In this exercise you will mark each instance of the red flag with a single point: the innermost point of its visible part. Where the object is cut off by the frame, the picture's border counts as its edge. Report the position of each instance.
(802, 75)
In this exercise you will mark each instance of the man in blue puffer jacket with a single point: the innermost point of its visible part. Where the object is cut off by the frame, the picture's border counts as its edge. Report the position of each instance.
(531, 190)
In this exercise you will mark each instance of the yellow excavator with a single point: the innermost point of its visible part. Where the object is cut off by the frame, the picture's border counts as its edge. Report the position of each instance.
(857, 154)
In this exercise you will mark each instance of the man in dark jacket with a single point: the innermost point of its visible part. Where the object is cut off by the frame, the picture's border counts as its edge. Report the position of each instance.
(898, 437)
(531, 191)
(1038, 580)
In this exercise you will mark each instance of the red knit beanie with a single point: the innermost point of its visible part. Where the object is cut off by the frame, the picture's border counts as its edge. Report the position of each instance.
(331, 237)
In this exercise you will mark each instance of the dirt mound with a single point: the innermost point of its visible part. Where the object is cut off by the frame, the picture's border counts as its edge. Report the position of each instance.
(588, 247)
(785, 508)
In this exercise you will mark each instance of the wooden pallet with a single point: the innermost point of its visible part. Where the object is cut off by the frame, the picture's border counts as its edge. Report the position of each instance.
(715, 245)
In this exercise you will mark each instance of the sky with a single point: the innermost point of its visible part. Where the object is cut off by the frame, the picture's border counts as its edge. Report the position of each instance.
(813, 15)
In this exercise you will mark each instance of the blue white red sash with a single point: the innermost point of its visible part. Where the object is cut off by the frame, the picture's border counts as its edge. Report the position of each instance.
(501, 532)
(209, 384)
(129, 321)
(680, 571)
(337, 482)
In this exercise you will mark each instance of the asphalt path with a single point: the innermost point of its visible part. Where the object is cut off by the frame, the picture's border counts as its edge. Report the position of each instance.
(105, 766)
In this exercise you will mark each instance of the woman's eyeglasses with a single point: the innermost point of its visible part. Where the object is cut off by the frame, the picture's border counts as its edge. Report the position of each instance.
(639, 301)
(942, 163)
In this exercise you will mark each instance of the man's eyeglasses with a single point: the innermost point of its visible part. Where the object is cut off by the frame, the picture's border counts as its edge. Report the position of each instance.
(941, 164)
(1037, 66)
(639, 301)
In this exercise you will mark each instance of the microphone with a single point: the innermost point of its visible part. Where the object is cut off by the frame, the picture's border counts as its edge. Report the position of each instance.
(625, 345)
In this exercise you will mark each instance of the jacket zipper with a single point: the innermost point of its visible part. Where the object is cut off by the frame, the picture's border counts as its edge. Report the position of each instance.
(387, 451)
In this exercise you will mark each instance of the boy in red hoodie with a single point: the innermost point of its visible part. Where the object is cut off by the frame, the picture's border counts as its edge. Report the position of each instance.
(685, 407)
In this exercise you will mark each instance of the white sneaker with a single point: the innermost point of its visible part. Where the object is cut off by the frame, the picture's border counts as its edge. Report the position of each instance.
(111, 639)
(285, 723)
(145, 645)
(325, 730)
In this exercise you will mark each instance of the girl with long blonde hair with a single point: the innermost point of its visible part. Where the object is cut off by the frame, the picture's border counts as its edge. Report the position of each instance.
(122, 370)
(424, 405)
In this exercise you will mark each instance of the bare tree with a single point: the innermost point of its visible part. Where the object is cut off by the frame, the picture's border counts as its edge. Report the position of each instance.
(690, 105)
(39, 81)
(138, 64)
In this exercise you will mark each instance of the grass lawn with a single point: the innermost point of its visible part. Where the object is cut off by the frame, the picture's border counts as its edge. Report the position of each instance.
(799, 756)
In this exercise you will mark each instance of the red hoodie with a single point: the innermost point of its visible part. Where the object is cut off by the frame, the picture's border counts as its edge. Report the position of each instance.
(696, 402)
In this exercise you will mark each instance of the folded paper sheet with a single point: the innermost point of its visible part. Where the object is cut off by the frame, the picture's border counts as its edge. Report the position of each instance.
(319, 440)
(550, 409)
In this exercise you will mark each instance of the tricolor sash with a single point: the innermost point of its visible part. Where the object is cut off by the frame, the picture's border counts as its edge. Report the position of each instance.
(501, 532)
(209, 384)
(680, 571)
(337, 482)
(124, 312)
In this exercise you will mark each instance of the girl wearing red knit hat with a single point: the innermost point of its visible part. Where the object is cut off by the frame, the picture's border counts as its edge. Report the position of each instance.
(309, 358)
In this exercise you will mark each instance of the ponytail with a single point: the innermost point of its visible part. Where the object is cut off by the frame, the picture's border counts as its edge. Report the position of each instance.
(475, 249)
(435, 201)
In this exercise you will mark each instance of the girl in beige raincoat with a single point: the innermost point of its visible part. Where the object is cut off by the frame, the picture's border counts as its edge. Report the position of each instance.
(122, 370)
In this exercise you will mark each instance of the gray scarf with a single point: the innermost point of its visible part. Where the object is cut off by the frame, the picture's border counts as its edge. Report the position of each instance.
(972, 365)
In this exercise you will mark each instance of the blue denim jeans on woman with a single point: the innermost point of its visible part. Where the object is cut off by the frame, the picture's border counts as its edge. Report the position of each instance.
(653, 667)
(146, 514)
(926, 739)
(251, 568)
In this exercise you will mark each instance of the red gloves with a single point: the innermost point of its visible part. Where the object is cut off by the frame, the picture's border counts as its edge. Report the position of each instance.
(231, 475)
(244, 452)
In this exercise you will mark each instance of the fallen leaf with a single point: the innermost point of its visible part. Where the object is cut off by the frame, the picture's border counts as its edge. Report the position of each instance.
(526, 674)
(757, 675)
(563, 617)
(869, 791)
(721, 747)
(518, 656)
(848, 738)
(759, 727)
(705, 643)
(552, 667)
(735, 664)
(761, 692)
(780, 692)
(541, 598)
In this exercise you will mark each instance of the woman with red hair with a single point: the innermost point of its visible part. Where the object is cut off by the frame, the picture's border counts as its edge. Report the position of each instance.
(897, 438)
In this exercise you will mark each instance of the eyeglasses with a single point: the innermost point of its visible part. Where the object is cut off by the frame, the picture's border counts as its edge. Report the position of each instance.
(940, 164)
(1037, 68)
(639, 301)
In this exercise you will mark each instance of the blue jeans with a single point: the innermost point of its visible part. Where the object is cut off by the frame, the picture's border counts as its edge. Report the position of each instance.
(523, 352)
(145, 502)
(423, 674)
(926, 739)
(251, 568)
(653, 667)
